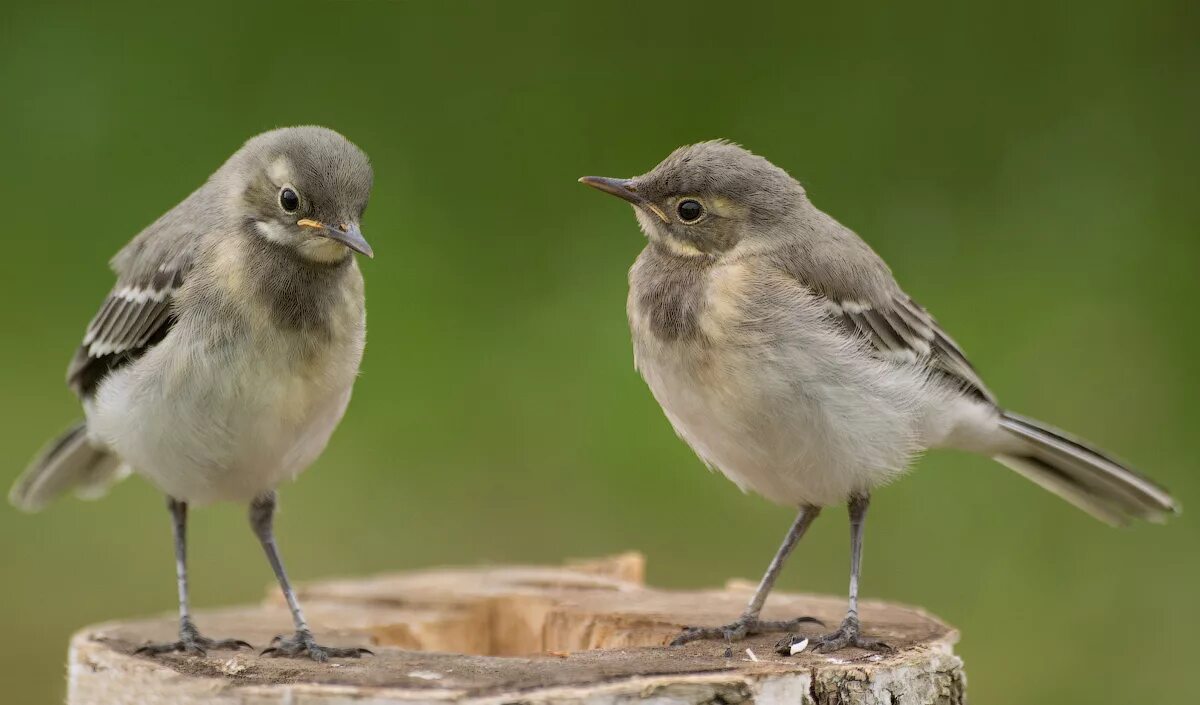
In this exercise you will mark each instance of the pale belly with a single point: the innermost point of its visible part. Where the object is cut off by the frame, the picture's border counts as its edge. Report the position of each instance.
(206, 429)
(772, 400)
(768, 443)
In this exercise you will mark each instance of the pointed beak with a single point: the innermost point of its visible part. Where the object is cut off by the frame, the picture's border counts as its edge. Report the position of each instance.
(346, 233)
(623, 189)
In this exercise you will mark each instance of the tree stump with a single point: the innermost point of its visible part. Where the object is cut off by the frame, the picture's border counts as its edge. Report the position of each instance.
(586, 633)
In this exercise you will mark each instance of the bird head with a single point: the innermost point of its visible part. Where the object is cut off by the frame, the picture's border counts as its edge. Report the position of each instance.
(305, 189)
(705, 198)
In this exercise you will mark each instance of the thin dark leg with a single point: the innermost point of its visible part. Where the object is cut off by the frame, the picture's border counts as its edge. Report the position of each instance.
(858, 516)
(749, 624)
(848, 634)
(804, 518)
(262, 519)
(190, 640)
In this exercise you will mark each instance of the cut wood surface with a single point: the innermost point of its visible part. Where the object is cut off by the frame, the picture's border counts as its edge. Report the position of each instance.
(588, 632)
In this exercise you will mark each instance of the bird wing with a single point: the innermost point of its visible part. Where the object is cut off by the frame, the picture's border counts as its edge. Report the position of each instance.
(902, 330)
(862, 297)
(138, 312)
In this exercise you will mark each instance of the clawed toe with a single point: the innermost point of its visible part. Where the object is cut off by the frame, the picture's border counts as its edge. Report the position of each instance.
(234, 644)
(302, 645)
(837, 642)
(186, 647)
(742, 628)
(848, 635)
(190, 642)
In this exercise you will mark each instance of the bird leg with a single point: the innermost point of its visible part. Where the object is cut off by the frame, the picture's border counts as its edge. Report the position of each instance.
(190, 641)
(848, 634)
(749, 624)
(302, 643)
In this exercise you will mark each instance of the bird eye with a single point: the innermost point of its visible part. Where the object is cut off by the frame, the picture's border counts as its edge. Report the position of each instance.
(689, 210)
(289, 201)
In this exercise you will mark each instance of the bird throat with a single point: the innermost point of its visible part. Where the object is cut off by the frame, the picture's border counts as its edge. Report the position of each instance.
(667, 293)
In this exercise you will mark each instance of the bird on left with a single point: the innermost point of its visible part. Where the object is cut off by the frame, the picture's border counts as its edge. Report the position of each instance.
(224, 357)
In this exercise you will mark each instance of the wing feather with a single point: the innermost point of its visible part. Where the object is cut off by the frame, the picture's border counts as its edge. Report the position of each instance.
(139, 311)
(135, 315)
(862, 297)
(130, 318)
(903, 331)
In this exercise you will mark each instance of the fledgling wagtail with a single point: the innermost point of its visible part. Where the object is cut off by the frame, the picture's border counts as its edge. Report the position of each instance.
(224, 357)
(783, 351)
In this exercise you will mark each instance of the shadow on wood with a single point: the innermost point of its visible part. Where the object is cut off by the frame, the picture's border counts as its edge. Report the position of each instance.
(587, 632)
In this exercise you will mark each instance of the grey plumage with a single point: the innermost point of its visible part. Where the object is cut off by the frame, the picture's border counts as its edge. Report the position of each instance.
(671, 297)
(223, 358)
(152, 270)
(1084, 476)
(69, 462)
(782, 349)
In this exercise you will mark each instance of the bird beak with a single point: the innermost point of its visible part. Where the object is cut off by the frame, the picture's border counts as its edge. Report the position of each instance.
(624, 189)
(346, 233)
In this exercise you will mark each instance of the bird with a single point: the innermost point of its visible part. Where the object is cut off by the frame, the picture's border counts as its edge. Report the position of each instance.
(223, 358)
(782, 350)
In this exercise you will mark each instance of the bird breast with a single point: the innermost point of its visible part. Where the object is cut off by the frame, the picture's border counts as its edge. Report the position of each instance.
(757, 381)
(238, 397)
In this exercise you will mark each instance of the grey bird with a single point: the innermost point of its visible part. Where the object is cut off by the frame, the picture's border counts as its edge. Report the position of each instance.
(223, 358)
(783, 351)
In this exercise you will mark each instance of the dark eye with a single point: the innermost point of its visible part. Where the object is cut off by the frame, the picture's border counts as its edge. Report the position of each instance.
(689, 210)
(288, 200)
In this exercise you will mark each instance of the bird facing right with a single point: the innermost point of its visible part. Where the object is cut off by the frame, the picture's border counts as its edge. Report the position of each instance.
(222, 360)
(783, 351)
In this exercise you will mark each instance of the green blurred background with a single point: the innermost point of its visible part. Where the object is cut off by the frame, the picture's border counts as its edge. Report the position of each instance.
(1029, 171)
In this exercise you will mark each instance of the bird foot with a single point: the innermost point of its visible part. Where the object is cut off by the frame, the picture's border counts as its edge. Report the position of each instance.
(848, 635)
(302, 645)
(190, 642)
(745, 626)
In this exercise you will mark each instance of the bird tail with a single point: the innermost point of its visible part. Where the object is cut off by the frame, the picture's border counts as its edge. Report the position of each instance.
(1084, 476)
(71, 461)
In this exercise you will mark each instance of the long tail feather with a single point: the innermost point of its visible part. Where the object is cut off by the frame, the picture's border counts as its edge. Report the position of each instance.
(69, 462)
(1083, 475)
